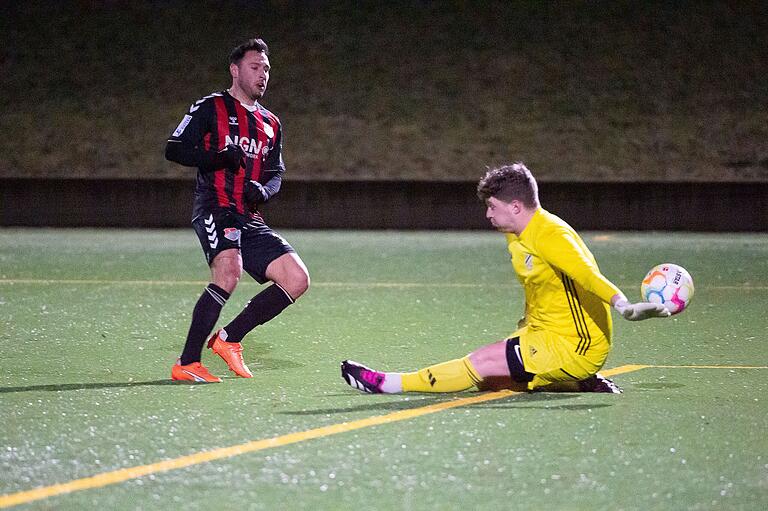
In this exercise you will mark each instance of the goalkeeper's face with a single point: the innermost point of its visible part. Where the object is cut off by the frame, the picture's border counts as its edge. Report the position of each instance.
(506, 216)
(251, 75)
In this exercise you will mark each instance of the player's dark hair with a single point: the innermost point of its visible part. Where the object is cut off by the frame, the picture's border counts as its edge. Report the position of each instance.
(250, 45)
(508, 183)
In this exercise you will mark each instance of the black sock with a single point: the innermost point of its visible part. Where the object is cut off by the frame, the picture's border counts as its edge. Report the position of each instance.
(204, 318)
(262, 307)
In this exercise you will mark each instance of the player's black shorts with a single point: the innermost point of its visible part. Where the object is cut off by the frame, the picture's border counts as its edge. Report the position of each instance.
(515, 362)
(259, 245)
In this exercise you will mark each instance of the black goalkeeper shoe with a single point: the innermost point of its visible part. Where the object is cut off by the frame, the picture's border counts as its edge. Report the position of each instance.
(362, 378)
(599, 383)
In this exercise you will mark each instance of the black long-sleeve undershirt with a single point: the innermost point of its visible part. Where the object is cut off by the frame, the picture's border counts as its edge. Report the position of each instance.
(191, 155)
(207, 161)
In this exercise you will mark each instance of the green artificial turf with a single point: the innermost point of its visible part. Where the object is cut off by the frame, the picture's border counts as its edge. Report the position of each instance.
(93, 319)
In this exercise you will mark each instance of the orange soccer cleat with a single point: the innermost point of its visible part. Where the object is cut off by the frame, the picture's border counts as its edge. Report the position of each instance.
(195, 371)
(231, 352)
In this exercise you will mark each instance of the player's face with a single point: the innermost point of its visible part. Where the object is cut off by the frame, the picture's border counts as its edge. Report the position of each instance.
(504, 216)
(252, 74)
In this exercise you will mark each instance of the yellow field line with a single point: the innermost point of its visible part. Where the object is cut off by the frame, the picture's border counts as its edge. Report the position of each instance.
(314, 283)
(125, 474)
(122, 475)
(623, 369)
(709, 367)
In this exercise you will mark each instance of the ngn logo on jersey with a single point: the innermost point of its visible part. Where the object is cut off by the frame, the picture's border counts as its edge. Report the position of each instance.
(251, 146)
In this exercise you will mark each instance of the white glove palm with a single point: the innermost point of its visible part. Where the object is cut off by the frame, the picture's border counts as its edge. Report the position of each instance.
(641, 310)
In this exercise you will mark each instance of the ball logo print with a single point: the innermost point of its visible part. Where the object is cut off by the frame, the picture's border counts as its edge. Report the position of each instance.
(670, 285)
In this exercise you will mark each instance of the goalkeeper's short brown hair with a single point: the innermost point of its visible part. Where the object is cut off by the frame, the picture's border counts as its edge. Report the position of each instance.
(508, 183)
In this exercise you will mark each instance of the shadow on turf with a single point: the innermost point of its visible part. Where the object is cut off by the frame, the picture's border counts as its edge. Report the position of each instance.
(85, 386)
(543, 401)
(512, 406)
(511, 402)
(257, 359)
(378, 405)
(658, 386)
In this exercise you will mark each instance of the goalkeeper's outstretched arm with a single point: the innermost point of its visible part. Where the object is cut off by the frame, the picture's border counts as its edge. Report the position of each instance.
(637, 311)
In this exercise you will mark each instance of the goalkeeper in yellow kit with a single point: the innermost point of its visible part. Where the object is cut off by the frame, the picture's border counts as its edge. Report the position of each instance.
(565, 336)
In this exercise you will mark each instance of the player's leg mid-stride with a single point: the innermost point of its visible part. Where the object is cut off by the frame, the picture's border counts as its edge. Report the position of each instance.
(231, 352)
(233, 181)
(195, 372)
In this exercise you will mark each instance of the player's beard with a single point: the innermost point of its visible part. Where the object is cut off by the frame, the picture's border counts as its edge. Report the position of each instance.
(254, 92)
(258, 92)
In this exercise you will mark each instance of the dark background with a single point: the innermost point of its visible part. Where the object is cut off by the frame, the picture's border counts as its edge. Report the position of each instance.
(647, 97)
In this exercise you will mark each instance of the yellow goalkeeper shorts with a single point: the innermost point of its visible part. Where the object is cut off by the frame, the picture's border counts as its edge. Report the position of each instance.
(555, 358)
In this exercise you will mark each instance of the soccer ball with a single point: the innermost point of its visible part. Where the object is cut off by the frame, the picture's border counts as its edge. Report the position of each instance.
(668, 284)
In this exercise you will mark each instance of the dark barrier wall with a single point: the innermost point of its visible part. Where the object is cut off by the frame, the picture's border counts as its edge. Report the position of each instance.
(390, 204)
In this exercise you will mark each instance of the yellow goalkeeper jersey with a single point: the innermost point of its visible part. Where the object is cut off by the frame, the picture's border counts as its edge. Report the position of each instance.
(565, 293)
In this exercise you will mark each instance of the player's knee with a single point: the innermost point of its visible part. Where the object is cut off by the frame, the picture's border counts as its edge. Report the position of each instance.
(228, 282)
(299, 282)
(490, 360)
(290, 273)
(483, 363)
(227, 276)
(226, 269)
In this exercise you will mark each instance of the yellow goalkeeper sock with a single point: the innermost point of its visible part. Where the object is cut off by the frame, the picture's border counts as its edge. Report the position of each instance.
(451, 376)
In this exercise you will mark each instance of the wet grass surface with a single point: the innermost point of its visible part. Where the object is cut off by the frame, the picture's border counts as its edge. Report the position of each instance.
(93, 320)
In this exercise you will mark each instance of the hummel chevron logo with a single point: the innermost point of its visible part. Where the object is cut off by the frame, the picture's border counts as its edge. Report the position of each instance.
(201, 100)
(210, 228)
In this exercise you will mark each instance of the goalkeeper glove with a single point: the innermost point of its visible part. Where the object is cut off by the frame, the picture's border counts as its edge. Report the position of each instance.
(640, 311)
(255, 193)
(231, 158)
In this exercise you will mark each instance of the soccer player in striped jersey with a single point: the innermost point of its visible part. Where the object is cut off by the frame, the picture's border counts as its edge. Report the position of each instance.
(236, 145)
(565, 335)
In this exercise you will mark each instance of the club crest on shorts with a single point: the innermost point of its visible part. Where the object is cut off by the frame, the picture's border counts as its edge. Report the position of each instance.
(232, 233)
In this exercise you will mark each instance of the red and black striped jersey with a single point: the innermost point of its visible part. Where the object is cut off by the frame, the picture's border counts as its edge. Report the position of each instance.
(209, 126)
